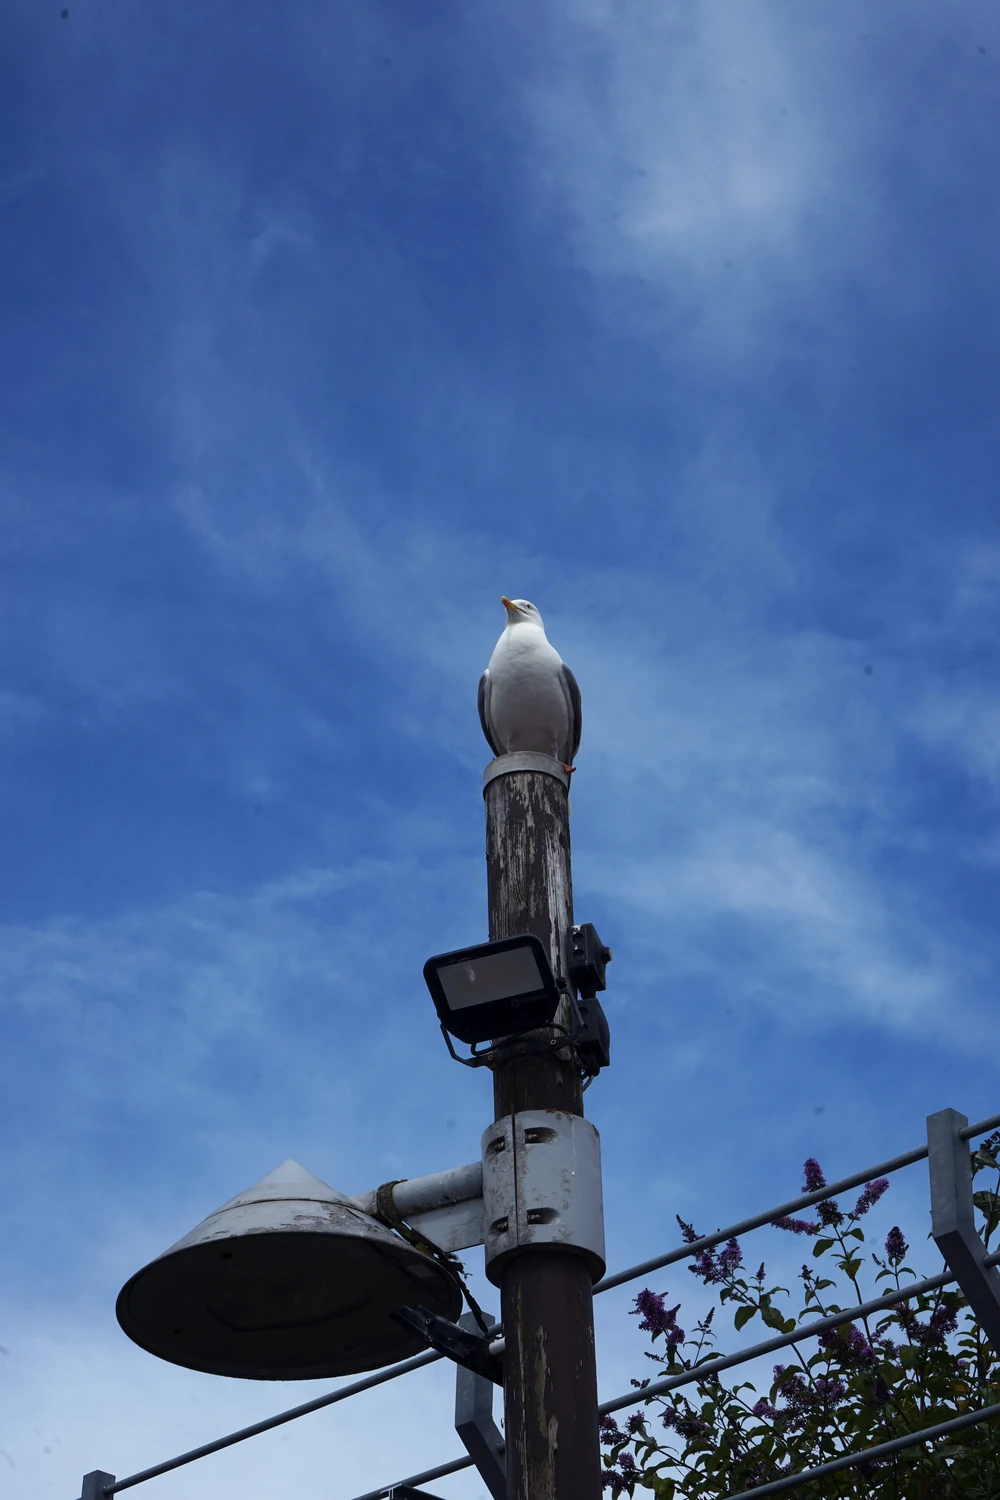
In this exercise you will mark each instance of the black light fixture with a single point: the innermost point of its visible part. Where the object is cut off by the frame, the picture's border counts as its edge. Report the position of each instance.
(588, 962)
(494, 989)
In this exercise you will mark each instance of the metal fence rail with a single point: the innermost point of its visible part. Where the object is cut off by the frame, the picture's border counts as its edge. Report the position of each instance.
(671, 1382)
(426, 1477)
(757, 1351)
(774, 1486)
(805, 1331)
(354, 1389)
(794, 1205)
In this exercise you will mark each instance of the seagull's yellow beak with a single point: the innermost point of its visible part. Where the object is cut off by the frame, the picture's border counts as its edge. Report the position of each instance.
(508, 604)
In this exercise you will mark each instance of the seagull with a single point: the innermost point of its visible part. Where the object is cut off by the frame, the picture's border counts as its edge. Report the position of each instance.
(528, 697)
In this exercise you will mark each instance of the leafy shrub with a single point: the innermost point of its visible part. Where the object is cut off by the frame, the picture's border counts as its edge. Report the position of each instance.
(860, 1384)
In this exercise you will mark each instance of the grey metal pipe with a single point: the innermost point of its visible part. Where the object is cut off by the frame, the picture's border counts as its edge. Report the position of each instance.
(341, 1394)
(418, 1195)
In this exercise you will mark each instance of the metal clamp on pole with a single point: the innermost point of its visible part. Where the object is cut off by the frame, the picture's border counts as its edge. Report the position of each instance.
(953, 1224)
(542, 1188)
(525, 760)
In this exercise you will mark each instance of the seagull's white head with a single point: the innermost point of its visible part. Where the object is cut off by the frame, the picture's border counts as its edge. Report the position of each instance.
(520, 612)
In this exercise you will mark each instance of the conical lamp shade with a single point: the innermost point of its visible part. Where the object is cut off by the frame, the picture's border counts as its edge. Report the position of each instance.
(287, 1281)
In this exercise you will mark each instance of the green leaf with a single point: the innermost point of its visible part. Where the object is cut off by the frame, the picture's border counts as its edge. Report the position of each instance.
(773, 1318)
(743, 1317)
(988, 1204)
(821, 1247)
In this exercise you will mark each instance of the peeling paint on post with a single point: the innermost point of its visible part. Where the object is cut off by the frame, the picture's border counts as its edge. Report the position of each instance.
(550, 1368)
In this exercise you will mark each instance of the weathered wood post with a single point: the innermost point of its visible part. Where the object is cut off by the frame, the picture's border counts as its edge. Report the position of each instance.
(550, 1370)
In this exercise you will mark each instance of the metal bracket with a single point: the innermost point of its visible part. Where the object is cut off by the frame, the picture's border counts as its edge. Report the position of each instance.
(542, 1188)
(525, 760)
(475, 1425)
(95, 1485)
(469, 1349)
(953, 1224)
(503, 1052)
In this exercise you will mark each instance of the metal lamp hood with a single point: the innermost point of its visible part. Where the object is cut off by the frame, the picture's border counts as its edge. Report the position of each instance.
(289, 1280)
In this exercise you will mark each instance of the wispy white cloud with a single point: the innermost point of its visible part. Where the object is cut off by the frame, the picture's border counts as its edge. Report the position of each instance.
(741, 169)
(963, 726)
(819, 941)
(78, 1397)
(709, 153)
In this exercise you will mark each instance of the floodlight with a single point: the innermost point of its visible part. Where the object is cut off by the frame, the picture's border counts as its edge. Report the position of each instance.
(493, 990)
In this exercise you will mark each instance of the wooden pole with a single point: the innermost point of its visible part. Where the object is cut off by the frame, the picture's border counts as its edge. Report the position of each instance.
(550, 1368)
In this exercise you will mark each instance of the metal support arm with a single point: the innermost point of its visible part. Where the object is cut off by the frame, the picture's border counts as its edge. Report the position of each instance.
(475, 1426)
(953, 1224)
(453, 1340)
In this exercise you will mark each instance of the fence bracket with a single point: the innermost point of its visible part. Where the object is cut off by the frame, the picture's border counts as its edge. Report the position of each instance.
(953, 1224)
(474, 1422)
(95, 1484)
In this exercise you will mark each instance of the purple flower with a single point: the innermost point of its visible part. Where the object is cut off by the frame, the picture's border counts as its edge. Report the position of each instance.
(895, 1245)
(610, 1431)
(872, 1193)
(794, 1226)
(829, 1214)
(706, 1266)
(636, 1423)
(692, 1427)
(764, 1408)
(944, 1320)
(813, 1173)
(687, 1230)
(731, 1258)
(830, 1389)
(851, 1348)
(683, 1421)
(798, 1395)
(657, 1317)
(626, 1463)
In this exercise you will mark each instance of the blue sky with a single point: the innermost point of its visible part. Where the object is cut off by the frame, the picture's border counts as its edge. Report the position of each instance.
(322, 327)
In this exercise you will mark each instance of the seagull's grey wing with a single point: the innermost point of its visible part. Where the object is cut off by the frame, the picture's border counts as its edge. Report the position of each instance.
(572, 688)
(484, 712)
